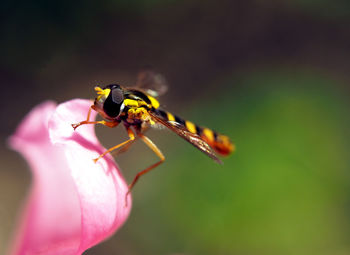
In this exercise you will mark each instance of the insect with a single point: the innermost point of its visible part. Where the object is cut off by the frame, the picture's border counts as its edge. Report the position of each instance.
(138, 109)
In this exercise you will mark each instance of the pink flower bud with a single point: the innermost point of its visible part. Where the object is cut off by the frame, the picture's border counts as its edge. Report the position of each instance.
(73, 203)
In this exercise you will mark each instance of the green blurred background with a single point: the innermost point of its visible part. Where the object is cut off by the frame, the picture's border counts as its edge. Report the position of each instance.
(273, 75)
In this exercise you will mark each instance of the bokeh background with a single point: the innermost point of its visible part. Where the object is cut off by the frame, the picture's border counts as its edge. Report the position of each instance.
(273, 75)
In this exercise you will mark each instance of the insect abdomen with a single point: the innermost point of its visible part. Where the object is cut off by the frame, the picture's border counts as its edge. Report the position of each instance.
(220, 143)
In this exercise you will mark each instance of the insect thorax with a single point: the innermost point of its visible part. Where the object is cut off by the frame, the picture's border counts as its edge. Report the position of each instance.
(136, 111)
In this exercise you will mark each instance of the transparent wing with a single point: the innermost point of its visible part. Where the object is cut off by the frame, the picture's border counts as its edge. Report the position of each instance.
(152, 83)
(193, 139)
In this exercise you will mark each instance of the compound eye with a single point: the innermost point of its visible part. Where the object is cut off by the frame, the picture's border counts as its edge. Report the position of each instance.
(117, 95)
(113, 102)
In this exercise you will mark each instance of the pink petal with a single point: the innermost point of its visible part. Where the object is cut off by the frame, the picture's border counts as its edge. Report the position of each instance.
(74, 203)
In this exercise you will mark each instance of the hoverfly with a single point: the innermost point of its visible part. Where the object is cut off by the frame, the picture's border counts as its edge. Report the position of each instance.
(138, 109)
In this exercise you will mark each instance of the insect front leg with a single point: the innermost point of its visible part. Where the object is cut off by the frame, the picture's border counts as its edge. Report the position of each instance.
(102, 122)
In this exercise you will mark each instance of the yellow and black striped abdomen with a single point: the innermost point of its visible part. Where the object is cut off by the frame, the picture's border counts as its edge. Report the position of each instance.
(220, 143)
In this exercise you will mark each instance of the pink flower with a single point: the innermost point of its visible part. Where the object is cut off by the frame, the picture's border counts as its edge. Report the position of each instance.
(73, 203)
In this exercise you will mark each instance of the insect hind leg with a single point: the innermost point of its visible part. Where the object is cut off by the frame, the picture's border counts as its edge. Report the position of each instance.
(155, 149)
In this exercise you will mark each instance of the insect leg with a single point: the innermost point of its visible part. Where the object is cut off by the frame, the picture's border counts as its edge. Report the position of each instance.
(126, 147)
(123, 149)
(87, 121)
(131, 138)
(89, 113)
(102, 122)
(155, 149)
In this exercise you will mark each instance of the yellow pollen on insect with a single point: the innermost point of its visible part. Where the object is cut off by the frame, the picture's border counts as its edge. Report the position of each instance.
(190, 126)
(170, 117)
(140, 114)
(209, 134)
